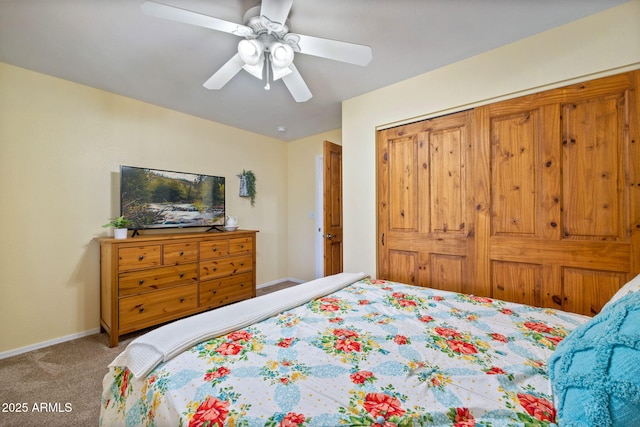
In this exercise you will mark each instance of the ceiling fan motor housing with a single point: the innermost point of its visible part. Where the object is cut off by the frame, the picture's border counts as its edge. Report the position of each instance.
(265, 30)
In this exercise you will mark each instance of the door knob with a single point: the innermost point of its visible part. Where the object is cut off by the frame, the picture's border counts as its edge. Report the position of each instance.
(329, 236)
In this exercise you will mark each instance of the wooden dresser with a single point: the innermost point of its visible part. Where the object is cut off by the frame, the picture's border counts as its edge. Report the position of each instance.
(148, 280)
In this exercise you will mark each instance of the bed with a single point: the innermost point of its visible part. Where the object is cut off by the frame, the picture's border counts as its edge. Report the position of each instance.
(351, 350)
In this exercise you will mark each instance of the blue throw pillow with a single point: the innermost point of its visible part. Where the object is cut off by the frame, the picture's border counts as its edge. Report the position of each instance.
(595, 371)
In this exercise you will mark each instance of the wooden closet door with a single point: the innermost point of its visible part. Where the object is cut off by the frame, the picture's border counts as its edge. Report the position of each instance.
(563, 194)
(425, 204)
(534, 200)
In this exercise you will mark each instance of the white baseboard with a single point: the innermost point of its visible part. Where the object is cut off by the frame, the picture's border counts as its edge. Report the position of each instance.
(48, 343)
(275, 282)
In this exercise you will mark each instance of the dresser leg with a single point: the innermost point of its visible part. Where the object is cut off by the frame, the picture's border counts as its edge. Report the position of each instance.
(113, 340)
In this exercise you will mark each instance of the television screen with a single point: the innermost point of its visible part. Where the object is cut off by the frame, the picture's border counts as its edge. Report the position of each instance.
(152, 198)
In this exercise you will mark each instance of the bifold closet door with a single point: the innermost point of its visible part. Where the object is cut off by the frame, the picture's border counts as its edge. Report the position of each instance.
(563, 194)
(425, 203)
(534, 200)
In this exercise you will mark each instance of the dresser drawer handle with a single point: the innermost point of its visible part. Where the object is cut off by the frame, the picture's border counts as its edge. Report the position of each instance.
(141, 282)
(181, 253)
(141, 309)
(214, 248)
(241, 284)
(181, 275)
(141, 257)
(213, 291)
(241, 246)
(242, 264)
(181, 299)
(215, 268)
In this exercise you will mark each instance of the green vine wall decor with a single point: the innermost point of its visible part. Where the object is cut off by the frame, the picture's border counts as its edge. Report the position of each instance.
(248, 185)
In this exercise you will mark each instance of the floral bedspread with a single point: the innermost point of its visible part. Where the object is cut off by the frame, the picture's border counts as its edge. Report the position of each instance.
(375, 353)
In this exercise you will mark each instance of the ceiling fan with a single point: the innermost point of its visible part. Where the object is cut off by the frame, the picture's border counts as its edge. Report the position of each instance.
(267, 45)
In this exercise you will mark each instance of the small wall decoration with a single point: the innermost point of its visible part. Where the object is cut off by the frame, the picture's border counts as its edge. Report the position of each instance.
(248, 185)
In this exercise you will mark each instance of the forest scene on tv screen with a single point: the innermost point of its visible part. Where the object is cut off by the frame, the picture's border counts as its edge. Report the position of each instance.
(154, 198)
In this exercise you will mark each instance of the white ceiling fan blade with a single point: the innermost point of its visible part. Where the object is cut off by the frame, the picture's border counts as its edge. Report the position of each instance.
(159, 10)
(296, 85)
(274, 13)
(225, 73)
(331, 49)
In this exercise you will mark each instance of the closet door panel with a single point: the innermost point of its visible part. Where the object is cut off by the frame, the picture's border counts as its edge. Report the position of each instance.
(447, 272)
(517, 282)
(404, 266)
(633, 163)
(593, 173)
(514, 180)
(403, 192)
(560, 161)
(425, 211)
(586, 291)
(447, 179)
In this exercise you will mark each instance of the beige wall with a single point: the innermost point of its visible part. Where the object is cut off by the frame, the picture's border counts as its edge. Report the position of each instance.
(301, 157)
(602, 44)
(61, 145)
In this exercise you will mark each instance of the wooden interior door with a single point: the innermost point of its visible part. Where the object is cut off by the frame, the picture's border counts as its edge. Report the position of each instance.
(332, 210)
(425, 212)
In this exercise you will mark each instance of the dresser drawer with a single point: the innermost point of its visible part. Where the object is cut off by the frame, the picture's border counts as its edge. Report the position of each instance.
(225, 266)
(154, 307)
(217, 292)
(180, 253)
(214, 249)
(240, 245)
(133, 258)
(137, 282)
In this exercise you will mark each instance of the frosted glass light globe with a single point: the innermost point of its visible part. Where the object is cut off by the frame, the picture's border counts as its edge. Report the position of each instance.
(250, 51)
(281, 55)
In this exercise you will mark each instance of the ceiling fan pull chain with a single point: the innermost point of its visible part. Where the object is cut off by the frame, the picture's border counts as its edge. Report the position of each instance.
(266, 60)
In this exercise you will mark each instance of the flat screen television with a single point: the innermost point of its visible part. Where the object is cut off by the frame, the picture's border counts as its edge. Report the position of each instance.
(153, 198)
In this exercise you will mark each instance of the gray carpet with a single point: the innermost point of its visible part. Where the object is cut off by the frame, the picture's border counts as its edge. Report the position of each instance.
(58, 385)
(61, 385)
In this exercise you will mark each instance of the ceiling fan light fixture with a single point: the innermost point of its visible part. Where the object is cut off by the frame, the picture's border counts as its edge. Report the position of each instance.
(281, 55)
(255, 70)
(251, 51)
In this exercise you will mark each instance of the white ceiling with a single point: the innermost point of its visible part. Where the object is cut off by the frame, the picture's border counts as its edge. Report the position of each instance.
(111, 45)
